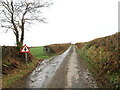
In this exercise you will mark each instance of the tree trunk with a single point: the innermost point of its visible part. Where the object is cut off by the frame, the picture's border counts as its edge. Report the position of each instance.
(22, 36)
(22, 31)
(18, 42)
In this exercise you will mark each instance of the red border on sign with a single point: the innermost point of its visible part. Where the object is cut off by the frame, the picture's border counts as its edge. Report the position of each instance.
(25, 51)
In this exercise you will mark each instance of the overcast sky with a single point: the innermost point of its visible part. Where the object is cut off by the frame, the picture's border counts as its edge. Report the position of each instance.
(71, 21)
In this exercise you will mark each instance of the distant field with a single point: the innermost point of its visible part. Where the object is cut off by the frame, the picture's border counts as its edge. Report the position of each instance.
(38, 52)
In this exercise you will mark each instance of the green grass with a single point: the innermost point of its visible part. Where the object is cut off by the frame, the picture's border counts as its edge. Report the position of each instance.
(39, 53)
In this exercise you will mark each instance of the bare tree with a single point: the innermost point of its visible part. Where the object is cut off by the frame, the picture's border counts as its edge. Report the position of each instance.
(15, 15)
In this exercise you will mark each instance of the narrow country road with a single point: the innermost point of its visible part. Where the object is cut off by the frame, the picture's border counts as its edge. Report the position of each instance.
(67, 70)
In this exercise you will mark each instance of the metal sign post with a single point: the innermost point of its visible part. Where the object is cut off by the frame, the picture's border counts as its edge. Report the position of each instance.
(26, 57)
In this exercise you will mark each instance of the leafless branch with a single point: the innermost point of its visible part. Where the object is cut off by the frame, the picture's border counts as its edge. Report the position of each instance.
(16, 15)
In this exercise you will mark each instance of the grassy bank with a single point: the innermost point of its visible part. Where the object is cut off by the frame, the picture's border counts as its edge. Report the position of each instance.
(16, 74)
(101, 56)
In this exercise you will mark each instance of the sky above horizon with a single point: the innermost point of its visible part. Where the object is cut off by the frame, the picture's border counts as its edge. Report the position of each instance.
(70, 21)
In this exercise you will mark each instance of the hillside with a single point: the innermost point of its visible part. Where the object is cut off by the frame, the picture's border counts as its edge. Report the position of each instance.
(102, 56)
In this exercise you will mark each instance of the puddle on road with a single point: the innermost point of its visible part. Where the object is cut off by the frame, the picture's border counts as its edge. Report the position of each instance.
(44, 72)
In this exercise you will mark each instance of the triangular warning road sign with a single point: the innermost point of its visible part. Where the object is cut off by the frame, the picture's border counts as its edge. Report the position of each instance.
(25, 49)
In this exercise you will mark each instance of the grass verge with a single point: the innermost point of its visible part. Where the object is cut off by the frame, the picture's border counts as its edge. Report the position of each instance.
(17, 74)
